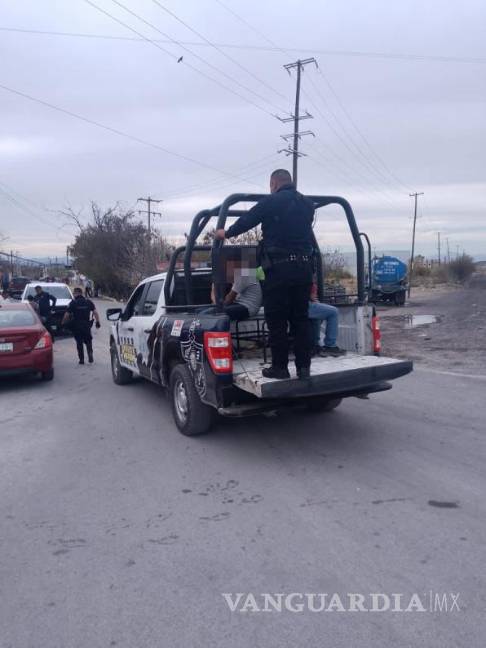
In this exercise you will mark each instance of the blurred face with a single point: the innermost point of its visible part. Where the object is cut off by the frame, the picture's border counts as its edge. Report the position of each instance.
(273, 185)
(38, 290)
(77, 293)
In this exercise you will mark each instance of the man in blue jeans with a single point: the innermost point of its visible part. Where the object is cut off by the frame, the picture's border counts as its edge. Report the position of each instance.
(319, 312)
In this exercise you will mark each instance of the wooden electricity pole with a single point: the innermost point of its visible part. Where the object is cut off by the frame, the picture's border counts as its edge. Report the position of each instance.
(415, 196)
(296, 118)
(149, 212)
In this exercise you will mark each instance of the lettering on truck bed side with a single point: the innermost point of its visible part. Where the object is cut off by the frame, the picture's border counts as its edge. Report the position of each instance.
(193, 353)
(177, 328)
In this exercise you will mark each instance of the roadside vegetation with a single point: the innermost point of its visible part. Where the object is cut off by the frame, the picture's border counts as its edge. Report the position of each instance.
(458, 270)
(115, 250)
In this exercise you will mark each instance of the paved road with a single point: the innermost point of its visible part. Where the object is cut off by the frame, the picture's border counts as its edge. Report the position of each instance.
(118, 531)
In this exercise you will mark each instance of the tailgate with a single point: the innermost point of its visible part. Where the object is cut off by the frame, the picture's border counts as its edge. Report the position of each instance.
(352, 373)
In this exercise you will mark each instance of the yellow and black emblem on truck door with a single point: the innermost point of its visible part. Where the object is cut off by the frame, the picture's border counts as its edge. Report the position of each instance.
(127, 351)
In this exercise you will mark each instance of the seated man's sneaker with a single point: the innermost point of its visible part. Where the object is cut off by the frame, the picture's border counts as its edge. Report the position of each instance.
(275, 372)
(334, 351)
(303, 372)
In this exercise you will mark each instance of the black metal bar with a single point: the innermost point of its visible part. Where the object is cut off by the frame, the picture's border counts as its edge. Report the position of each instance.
(170, 272)
(368, 242)
(319, 201)
(198, 224)
(171, 269)
(322, 201)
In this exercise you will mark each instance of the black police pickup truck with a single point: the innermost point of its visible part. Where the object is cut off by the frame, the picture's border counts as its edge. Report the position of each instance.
(211, 366)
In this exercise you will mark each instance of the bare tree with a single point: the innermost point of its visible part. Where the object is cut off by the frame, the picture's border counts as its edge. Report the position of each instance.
(252, 237)
(115, 251)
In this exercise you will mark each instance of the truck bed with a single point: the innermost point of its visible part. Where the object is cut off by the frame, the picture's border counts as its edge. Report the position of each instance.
(353, 373)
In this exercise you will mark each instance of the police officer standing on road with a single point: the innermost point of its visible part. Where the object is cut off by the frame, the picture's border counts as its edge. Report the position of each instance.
(78, 315)
(286, 218)
(45, 303)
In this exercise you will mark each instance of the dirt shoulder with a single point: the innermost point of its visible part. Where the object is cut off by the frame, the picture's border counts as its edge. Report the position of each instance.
(456, 341)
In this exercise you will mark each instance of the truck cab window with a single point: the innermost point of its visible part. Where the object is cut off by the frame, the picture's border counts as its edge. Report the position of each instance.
(134, 305)
(152, 297)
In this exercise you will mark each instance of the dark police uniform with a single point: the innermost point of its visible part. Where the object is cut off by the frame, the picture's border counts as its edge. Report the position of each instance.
(286, 218)
(45, 302)
(80, 309)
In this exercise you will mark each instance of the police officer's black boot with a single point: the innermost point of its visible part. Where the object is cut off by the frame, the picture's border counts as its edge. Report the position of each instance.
(275, 372)
(89, 347)
(303, 372)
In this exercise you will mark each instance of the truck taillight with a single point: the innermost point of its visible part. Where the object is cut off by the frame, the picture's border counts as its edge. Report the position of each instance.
(44, 342)
(219, 351)
(375, 327)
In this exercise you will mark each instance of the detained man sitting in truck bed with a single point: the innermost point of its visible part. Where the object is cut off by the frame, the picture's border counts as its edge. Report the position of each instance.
(244, 299)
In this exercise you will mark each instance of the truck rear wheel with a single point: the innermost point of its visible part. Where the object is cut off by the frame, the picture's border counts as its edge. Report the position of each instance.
(191, 415)
(323, 404)
(121, 376)
(400, 298)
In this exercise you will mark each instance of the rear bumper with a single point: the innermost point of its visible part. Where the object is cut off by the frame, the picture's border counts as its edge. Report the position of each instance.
(38, 360)
(259, 406)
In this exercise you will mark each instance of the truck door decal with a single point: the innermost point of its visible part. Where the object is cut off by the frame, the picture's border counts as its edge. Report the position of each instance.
(127, 351)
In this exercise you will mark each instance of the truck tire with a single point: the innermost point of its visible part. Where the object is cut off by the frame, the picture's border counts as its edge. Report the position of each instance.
(400, 298)
(323, 404)
(120, 375)
(191, 415)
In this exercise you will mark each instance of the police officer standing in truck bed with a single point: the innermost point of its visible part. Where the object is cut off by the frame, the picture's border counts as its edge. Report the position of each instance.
(286, 218)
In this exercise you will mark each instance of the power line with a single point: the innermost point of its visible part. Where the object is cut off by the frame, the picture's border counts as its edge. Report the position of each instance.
(365, 185)
(7, 192)
(373, 169)
(217, 48)
(116, 131)
(260, 164)
(176, 58)
(347, 146)
(285, 50)
(259, 48)
(200, 58)
(360, 133)
(271, 42)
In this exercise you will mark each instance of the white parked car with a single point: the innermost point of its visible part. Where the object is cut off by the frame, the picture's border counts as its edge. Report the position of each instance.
(60, 291)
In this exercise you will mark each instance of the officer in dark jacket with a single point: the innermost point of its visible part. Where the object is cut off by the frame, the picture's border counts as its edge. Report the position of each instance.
(79, 315)
(45, 303)
(286, 218)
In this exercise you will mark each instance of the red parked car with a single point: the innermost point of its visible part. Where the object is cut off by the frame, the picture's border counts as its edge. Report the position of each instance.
(25, 345)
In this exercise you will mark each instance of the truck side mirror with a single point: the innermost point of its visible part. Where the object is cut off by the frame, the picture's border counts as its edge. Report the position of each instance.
(113, 314)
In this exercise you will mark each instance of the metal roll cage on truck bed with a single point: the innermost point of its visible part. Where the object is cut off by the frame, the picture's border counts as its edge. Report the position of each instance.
(211, 365)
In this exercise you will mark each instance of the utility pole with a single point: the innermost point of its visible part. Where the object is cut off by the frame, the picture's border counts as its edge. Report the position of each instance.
(448, 251)
(296, 117)
(438, 246)
(415, 196)
(149, 211)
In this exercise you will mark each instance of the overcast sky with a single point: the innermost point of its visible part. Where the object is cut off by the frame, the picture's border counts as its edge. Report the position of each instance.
(384, 125)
